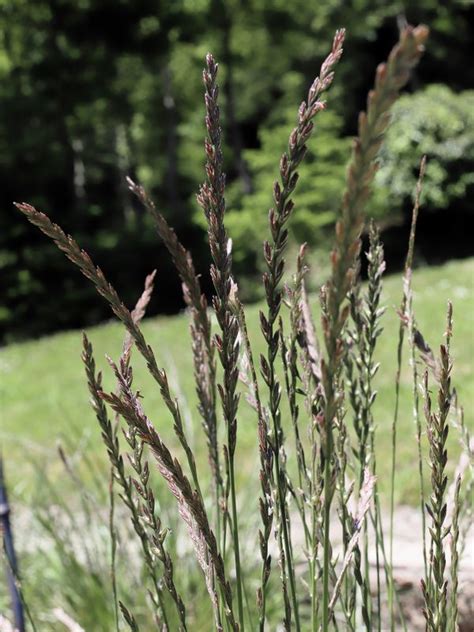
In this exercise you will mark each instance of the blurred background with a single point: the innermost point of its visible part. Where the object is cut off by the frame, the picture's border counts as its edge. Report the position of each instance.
(94, 90)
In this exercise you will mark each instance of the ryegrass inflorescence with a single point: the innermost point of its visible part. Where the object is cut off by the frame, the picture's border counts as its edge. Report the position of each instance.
(307, 395)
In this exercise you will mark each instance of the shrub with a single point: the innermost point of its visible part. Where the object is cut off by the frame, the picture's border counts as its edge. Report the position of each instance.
(319, 391)
(439, 123)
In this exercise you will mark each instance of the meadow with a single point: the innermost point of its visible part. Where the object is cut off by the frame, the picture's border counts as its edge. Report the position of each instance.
(44, 393)
(333, 387)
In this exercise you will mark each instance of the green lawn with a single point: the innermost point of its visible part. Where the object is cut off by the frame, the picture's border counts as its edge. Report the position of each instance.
(44, 396)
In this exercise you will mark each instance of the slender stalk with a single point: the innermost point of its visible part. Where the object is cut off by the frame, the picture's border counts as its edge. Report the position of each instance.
(391, 586)
(315, 507)
(273, 254)
(412, 334)
(291, 373)
(113, 546)
(266, 466)
(453, 609)
(344, 494)
(390, 78)
(311, 360)
(10, 555)
(19, 589)
(401, 336)
(235, 537)
(212, 200)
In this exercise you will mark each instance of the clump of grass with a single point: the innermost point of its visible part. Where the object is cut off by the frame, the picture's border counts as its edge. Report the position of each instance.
(307, 395)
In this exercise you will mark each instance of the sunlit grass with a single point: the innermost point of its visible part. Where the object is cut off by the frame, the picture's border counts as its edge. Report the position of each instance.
(44, 395)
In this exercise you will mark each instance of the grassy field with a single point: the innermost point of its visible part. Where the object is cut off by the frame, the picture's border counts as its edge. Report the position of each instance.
(44, 396)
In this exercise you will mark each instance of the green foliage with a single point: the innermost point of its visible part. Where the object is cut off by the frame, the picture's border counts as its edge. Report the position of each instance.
(317, 198)
(438, 123)
(93, 91)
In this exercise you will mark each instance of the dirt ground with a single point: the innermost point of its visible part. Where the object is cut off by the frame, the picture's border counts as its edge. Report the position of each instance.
(408, 567)
(408, 570)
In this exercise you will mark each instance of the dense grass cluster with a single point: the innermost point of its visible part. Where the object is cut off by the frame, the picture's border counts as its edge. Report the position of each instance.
(313, 404)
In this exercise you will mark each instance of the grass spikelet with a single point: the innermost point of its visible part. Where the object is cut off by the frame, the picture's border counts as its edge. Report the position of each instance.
(211, 199)
(111, 442)
(390, 78)
(435, 584)
(202, 346)
(129, 618)
(83, 261)
(189, 501)
(273, 254)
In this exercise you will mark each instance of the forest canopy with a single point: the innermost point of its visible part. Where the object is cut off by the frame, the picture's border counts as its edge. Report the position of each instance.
(96, 90)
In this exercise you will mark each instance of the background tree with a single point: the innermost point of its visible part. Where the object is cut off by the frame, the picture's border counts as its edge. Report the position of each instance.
(93, 90)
